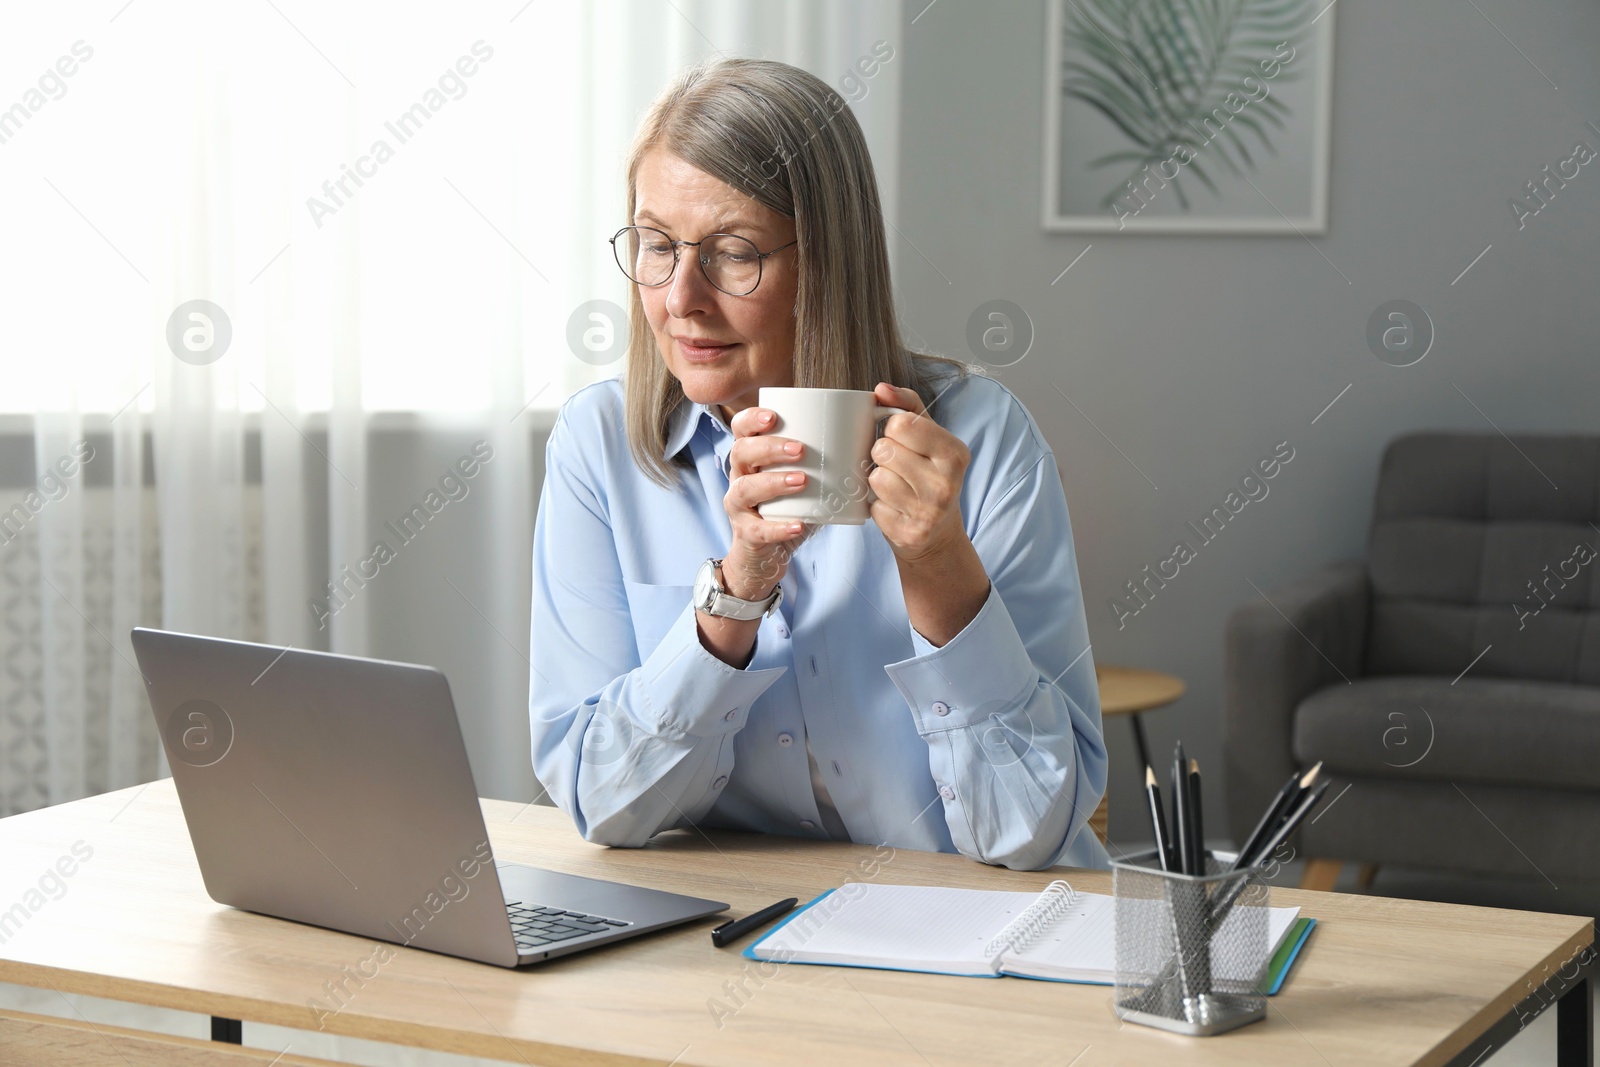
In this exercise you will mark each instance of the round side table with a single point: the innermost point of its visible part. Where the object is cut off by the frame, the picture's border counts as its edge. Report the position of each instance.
(1129, 691)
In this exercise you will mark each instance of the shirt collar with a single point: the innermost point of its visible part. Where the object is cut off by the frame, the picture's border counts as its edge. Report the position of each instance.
(691, 417)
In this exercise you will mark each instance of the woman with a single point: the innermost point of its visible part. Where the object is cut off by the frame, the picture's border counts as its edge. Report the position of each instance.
(924, 680)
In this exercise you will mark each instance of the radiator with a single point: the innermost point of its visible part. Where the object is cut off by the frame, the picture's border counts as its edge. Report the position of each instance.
(24, 738)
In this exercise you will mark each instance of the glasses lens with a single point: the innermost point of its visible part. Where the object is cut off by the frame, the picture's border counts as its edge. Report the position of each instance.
(732, 263)
(645, 255)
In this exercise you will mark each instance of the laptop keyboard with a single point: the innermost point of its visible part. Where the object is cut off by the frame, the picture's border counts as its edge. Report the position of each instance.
(539, 927)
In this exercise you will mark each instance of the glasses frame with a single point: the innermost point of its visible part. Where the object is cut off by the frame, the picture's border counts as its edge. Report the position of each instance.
(761, 258)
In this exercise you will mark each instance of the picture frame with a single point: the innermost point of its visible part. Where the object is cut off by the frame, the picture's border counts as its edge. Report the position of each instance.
(1150, 128)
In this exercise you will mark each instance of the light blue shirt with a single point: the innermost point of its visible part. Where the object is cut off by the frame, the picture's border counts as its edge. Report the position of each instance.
(990, 745)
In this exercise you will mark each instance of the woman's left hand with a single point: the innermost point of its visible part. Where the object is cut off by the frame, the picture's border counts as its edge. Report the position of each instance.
(918, 479)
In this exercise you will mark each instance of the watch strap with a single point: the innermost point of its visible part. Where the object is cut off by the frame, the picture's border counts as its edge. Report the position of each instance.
(725, 605)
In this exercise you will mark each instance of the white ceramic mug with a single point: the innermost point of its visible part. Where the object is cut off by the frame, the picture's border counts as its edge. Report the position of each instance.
(838, 428)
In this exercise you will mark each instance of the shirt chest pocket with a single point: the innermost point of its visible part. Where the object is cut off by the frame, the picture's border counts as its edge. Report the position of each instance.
(653, 609)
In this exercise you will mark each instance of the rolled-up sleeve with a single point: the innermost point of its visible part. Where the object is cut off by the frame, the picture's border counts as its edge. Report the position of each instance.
(1009, 707)
(629, 742)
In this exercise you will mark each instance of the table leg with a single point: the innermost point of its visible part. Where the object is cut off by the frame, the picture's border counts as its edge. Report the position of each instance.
(1575, 1025)
(228, 1030)
(1139, 742)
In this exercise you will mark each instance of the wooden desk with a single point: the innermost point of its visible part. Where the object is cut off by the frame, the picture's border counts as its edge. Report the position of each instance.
(1381, 982)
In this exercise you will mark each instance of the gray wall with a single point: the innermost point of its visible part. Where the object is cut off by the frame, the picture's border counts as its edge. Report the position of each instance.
(1195, 355)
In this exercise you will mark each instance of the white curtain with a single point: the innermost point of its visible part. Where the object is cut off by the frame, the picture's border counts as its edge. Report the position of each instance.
(388, 309)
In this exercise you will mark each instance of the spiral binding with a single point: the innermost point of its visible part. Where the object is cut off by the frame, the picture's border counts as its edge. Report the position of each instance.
(1037, 917)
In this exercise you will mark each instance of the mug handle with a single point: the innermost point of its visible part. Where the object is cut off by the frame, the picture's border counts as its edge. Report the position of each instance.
(879, 413)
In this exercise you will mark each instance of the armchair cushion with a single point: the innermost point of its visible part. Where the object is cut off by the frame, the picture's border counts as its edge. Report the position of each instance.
(1495, 731)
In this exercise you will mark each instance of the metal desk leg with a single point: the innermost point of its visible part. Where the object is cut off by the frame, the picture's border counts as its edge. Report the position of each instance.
(228, 1030)
(1575, 1025)
(1139, 741)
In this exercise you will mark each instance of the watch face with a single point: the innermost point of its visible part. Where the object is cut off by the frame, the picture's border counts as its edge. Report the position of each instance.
(703, 584)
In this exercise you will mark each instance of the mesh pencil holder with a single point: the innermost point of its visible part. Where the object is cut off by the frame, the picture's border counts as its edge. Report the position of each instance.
(1191, 949)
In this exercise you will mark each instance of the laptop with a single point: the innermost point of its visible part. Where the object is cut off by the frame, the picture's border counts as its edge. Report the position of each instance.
(335, 790)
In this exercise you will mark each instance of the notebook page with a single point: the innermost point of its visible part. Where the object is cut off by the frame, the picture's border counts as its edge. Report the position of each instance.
(902, 926)
(1083, 945)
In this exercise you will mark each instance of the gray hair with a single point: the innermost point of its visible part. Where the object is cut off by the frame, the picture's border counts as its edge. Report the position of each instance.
(784, 138)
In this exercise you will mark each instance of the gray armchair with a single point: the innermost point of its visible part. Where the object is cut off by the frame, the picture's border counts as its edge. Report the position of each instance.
(1452, 681)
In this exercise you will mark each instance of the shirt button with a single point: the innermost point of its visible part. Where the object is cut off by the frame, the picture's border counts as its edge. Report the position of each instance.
(783, 631)
(785, 740)
(720, 782)
(946, 792)
(734, 714)
(807, 824)
(941, 708)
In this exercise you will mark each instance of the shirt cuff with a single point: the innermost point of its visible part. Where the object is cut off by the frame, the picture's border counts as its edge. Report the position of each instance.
(691, 692)
(981, 671)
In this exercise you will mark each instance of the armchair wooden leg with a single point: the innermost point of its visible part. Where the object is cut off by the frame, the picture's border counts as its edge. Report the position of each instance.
(1320, 875)
(1364, 876)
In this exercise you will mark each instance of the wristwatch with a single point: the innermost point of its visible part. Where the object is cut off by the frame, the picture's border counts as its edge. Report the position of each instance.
(711, 598)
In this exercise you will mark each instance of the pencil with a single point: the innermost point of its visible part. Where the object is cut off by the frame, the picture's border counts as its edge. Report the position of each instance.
(1180, 809)
(1158, 819)
(1197, 839)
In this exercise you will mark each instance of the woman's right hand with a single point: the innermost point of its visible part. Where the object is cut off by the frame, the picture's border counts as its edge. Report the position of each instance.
(761, 548)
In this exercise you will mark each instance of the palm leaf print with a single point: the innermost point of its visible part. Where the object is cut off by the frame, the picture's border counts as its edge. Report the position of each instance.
(1158, 69)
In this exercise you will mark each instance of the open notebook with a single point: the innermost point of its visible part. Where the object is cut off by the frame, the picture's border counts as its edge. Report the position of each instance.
(1057, 935)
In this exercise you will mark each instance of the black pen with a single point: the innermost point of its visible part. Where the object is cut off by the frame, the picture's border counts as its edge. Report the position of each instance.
(1269, 820)
(1291, 822)
(1293, 791)
(1300, 807)
(1180, 809)
(733, 929)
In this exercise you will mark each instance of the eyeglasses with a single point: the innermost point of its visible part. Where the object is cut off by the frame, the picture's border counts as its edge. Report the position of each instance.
(729, 262)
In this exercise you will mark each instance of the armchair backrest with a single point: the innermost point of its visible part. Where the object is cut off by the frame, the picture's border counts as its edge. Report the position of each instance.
(1480, 541)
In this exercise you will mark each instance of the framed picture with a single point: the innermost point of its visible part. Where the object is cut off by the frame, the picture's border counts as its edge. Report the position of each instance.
(1187, 116)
